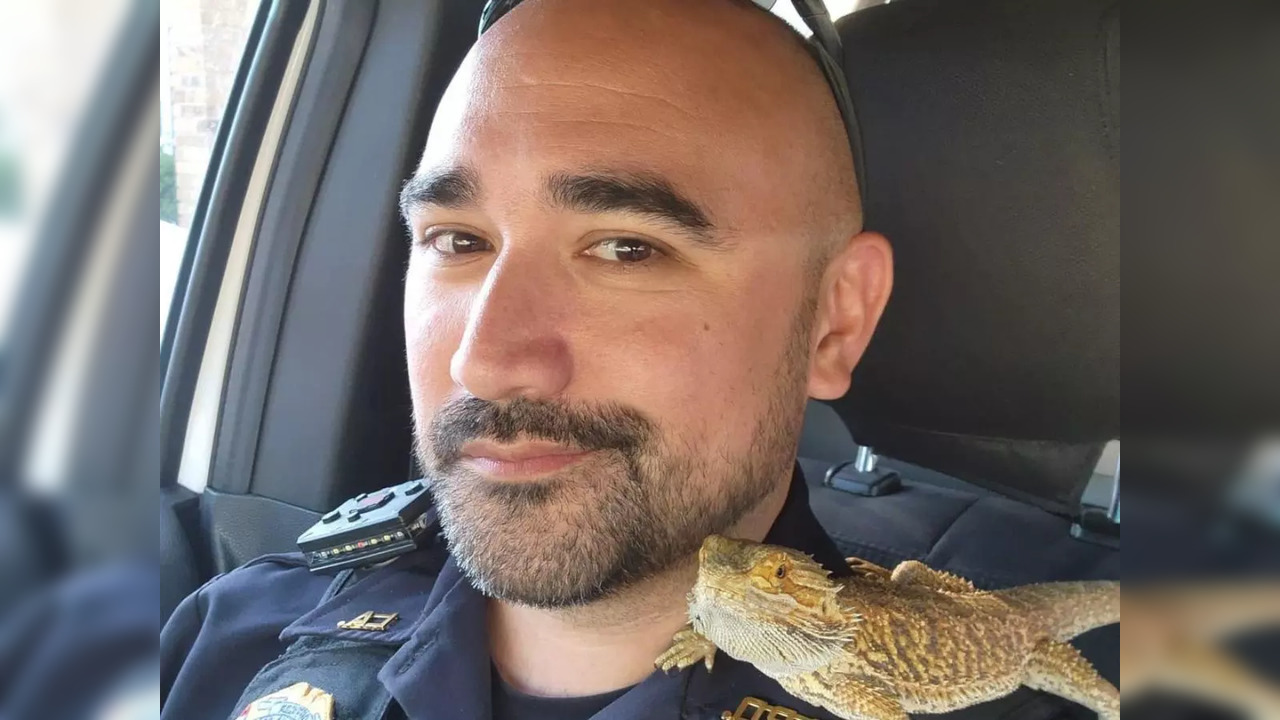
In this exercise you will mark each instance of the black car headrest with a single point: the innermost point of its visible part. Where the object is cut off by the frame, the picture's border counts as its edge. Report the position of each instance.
(991, 138)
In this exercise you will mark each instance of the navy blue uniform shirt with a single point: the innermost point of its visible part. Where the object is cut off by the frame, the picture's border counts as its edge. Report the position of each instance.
(223, 634)
(83, 645)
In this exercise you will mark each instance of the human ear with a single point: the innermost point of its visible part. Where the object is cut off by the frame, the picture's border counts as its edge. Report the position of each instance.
(854, 291)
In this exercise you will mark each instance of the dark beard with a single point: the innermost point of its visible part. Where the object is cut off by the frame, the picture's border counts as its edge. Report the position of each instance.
(635, 507)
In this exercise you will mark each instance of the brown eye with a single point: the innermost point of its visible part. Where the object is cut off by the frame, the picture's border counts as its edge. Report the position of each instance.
(781, 572)
(455, 242)
(623, 250)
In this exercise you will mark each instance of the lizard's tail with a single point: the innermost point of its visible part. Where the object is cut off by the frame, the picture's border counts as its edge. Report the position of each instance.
(1068, 609)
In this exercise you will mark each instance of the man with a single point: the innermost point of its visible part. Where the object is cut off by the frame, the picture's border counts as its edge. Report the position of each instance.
(637, 251)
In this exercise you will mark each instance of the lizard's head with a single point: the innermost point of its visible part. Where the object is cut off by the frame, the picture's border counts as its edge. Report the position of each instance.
(768, 605)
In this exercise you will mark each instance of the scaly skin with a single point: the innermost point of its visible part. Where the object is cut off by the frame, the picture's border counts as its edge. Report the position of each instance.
(881, 644)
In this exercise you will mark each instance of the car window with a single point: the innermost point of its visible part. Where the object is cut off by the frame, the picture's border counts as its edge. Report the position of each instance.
(837, 8)
(200, 49)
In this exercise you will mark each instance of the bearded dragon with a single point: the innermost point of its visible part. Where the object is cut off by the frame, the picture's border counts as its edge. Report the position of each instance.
(880, 644)
(1174, 641)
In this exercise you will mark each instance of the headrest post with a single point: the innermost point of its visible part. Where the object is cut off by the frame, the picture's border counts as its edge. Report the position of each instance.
(1113, 509)
(866, 459)
(1097, 524)
(860, 476)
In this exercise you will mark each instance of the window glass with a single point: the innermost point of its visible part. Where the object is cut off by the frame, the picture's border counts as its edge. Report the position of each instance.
(201, 42)
(837, 8)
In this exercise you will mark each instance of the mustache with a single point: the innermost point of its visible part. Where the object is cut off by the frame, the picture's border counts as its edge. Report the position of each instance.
(585, 427)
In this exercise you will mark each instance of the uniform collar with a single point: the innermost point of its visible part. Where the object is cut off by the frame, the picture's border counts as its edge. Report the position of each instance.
(443, 667)
(401, 588)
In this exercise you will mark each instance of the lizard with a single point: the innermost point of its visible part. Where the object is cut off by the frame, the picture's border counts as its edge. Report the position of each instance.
(1175, 642)
(882, 643)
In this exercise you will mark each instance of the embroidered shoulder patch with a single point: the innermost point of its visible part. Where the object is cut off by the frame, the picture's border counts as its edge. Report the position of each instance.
(299, 701)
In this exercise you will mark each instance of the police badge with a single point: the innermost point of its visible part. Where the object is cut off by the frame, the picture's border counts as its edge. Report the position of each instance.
(299, 701)
(752, 708)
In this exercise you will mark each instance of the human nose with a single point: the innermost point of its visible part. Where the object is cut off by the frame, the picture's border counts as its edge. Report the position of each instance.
(514, 344)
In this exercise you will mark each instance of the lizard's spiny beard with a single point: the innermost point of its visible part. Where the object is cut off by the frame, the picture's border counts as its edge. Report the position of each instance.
(795, 639)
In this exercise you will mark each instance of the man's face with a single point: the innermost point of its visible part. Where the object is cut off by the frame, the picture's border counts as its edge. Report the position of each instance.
(608, 310)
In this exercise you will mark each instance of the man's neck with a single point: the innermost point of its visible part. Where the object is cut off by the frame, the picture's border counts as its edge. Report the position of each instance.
(611, 643)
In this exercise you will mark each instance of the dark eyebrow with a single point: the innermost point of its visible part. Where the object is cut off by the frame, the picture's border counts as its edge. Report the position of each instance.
(452, 188)
(639, 193)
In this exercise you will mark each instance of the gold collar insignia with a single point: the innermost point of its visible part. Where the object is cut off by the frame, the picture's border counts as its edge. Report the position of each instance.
(370, 622)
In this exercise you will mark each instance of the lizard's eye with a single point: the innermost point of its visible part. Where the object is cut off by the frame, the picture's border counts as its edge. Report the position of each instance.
(781, 572)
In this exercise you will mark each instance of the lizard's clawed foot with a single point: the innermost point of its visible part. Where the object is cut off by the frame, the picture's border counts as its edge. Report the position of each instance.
(866, 568)
(687, 648)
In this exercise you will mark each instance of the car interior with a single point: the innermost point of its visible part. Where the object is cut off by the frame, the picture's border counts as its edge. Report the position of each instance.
(981, 431)
(991, 136)
(974, 433)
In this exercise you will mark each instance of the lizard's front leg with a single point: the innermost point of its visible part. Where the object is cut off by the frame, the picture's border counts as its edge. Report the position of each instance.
(687, 648)
(866, 568)
(911, 572)
(914, 572)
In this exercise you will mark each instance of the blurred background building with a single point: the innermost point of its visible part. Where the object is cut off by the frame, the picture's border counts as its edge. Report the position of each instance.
(201, 42)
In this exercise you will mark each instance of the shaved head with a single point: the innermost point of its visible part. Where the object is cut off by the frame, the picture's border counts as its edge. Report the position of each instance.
(733, 82)
(637, 250)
